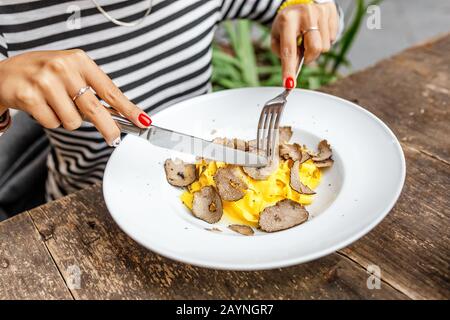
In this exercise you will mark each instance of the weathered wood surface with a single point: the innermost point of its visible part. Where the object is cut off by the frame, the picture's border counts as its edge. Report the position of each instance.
(113, 266)
(412, 246)
(410, 92)
(27, 270)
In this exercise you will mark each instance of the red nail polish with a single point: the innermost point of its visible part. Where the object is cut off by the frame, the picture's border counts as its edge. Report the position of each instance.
(289, 83)
(145, 119)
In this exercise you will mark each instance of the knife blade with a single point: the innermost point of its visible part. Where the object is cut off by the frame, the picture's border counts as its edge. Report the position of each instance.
(185, 143)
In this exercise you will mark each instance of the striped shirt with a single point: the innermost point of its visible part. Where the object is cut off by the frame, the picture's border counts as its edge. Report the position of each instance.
(165, 59)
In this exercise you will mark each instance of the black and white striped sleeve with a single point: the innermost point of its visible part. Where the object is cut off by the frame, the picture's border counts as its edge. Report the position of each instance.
(3, 48)
(5, 119)
(263, 11)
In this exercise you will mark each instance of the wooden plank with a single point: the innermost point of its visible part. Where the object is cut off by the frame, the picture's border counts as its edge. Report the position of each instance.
(114, 267)
(410, 92)
(27, 271)
(412, 245)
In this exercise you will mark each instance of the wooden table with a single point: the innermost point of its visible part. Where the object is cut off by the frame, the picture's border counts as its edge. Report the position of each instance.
(39, 249)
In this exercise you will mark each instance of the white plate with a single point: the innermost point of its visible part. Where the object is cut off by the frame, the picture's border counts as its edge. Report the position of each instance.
(353, 197)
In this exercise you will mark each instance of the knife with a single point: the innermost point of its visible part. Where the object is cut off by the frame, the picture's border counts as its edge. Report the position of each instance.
(185, 143)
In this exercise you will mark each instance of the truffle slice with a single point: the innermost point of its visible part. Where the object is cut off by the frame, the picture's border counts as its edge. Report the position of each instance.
(294, 152)
(310, 153)
(261, 173)
(283, 215)
(264, 172)
(324, 152)
(224, 141)
(324, 164)
(219, 140)
(305, 157)
(290, 151)
(207, 205)
(240, 144)
(285, 134)
(242, 229)
(251, 145)
(295, 182)
(179, 173)
(229, 185)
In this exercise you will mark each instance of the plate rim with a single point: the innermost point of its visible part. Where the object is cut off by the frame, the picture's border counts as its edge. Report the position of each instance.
(205, 263)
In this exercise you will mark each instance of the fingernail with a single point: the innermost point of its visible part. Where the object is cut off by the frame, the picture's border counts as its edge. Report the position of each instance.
(289, 83)
(116, 142)
(145, 119)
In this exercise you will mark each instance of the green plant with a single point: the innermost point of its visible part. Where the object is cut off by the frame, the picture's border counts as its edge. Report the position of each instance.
(242, 62)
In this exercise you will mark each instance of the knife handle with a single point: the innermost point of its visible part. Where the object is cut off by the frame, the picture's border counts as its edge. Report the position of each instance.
(125, 125)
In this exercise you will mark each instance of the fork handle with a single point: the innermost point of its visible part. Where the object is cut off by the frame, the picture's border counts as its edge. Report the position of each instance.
(301, 55)
(300, 66)
(286, 92)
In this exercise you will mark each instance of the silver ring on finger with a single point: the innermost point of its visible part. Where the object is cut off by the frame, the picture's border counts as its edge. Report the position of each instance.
(310, 29)
(82, 91)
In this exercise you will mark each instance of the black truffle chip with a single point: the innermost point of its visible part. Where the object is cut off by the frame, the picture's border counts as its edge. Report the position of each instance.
(324, 164)
(242, 229)
(240, 144)
(262, 173)
(324, 152)
(285, 134)
(290, 151)
(179, 173)
(283, 215)
(207, 205)
(229, 184)
(224, 141)
(295, 182)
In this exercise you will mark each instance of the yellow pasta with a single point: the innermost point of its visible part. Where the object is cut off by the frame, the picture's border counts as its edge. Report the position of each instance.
(260, 194)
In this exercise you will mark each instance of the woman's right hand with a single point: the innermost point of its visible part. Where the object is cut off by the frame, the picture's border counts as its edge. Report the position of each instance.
(43, 84)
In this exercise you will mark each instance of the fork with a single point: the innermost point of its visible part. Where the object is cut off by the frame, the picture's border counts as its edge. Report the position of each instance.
(269, 119)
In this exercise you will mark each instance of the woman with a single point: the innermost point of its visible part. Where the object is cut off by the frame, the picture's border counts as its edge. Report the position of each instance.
(136, 55)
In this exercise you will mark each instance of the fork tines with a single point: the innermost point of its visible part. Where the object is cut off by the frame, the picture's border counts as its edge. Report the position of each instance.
(268, 125)
(270, 118)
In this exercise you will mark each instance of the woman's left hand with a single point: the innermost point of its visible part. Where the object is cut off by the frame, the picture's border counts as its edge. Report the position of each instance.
(293, 22)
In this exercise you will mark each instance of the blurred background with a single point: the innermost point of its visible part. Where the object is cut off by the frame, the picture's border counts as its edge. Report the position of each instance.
(242, 54)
